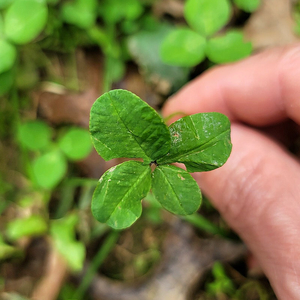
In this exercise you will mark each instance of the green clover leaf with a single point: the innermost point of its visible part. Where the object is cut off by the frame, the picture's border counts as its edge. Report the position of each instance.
(207, 16)
(227, 48)
(201, 142)
(123, 125)
(183, 47)
(24, 20)
(176, 190)
(117, 197)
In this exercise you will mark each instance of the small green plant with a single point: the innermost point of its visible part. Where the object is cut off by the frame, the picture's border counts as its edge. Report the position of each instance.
(48, 169)
(63, 235)
(222, 284)
(82, 13)
(46, 162)
(22, 22)
(123, 125)
(247, 5)
(188, 46)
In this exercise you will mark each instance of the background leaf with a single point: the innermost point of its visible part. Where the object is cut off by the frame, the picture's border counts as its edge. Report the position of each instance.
(24, 20)
(200, 141)
(63, 235)
(123, 125)
(183, 47)
(207, 16)
(6, 81)
(49, 169)
(117, 197)
(81, 13)
(8, 251)
(76, 143)
(1, 24)
(247, 5)
(34, 225)
(145, 47)
(228, 48)
(114, 68)
(52, 2)
(176, 190)
(5, 3)
(114, 11)
(34, 135)
(8, 54)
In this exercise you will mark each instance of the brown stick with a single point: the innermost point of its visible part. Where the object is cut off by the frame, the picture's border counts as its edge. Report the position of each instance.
(56, 271)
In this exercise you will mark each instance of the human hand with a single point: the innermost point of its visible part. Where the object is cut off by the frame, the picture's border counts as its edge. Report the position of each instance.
(258, 189)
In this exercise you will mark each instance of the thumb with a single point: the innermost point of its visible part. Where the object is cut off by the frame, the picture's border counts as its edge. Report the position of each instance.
(257, 192)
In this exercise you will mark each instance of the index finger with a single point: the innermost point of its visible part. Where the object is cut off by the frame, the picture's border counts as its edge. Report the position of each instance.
(261, 90)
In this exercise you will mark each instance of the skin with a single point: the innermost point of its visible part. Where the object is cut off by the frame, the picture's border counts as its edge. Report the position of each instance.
(257, 191)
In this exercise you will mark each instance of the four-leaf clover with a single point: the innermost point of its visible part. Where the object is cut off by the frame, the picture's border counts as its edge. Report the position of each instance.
(123, 125)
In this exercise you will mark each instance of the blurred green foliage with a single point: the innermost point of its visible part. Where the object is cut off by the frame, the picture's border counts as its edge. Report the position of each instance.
(221, 284)
(24, 20)
(63, 234)
(247, 5)
(224, 286)
(63, 26)
(33, 225)
(50, 165)
(189, 46)
(75, 143)
(34, 135)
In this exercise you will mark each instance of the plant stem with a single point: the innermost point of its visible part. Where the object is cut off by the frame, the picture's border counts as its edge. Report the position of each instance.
(86, 195)
(98, 259)
(204, 224)
(66, 201)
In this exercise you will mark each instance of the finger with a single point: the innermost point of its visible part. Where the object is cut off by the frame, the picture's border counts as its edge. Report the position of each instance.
(260, 90)
(257, 192)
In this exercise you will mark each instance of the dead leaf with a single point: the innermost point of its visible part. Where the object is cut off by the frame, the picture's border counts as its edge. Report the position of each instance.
(271, 25)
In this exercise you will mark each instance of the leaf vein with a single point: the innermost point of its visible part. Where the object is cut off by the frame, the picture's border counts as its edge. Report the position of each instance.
(169, 183)
(133, 135)
(132, 187)
(197, 149)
